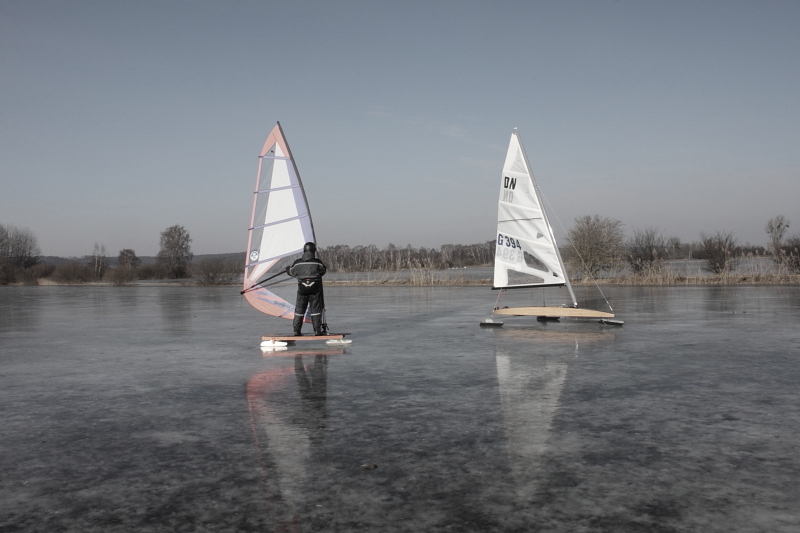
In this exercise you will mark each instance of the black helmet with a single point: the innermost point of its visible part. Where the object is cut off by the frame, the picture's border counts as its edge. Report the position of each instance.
(310, 247)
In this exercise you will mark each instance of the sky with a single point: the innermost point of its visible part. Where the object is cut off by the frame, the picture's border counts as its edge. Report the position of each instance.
(120, 119)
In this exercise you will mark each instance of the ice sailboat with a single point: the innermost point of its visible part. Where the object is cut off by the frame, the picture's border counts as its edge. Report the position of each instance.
(280, 225)
(526, 254)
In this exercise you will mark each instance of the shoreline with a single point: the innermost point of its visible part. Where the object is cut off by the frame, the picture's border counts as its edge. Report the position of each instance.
(665, 279)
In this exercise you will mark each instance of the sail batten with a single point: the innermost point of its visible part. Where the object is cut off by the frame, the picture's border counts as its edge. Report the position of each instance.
(277, 189)
(279, 221)
(280, 224)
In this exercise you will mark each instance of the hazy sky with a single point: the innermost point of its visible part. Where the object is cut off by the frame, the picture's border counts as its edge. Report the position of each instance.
(119, 119)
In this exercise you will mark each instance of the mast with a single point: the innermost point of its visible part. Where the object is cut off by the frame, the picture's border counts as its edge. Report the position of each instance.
(547, 221)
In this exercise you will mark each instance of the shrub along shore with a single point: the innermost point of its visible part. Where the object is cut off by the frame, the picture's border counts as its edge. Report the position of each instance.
(210, 271)
(671, 278)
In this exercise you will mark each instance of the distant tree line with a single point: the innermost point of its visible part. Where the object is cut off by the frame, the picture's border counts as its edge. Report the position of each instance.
(21, 262)
(595, 246)
(343, 258)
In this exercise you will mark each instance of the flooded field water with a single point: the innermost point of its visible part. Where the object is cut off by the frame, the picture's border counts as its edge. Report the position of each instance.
(153, 409)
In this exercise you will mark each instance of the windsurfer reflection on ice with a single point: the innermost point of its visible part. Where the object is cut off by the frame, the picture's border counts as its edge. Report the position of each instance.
(309, 271)
(289, 419)
(313, 393)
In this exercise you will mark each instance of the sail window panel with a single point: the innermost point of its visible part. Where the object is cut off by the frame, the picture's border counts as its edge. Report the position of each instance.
(509, 275)
(260, 209)
(281, 206)
(540, 246)
(524, 278)
(534, 262)
(546, 255)
(255, 243)
(265, 174)
(255, 246)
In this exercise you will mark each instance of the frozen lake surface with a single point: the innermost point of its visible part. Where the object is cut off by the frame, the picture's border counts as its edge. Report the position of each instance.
(153, 409)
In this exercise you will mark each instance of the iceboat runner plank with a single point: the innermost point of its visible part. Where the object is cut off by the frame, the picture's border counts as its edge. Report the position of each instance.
(292, 338)
(553, 311)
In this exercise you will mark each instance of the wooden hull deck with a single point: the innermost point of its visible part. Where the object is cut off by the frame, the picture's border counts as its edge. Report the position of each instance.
(571, 312)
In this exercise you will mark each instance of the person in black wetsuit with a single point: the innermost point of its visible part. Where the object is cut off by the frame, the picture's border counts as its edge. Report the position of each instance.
(309, 271)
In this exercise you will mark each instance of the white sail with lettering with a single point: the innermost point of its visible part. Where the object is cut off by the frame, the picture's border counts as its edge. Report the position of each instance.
(526, 253)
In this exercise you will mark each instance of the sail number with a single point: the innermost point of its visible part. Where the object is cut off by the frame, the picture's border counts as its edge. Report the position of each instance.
(509, 184)
(508, 241)
(509, 248)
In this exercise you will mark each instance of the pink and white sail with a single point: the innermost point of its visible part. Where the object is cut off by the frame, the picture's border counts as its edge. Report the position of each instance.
(280, 224)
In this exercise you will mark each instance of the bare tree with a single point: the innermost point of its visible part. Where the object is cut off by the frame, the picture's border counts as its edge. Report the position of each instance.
(789, 254)
(6, 272)
(595, 244)
(176, 254)
(127, 259)
(646, 250)
(674, 247)
(776, 228)
(718, 250)
(18, 251)
(99, 261)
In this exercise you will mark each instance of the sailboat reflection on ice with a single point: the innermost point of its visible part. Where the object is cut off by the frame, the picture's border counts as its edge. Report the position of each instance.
(288, 416)
(531, 386)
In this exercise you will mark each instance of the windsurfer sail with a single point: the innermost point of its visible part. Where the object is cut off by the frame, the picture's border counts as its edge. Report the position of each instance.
(280, 225)
(526, 254)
